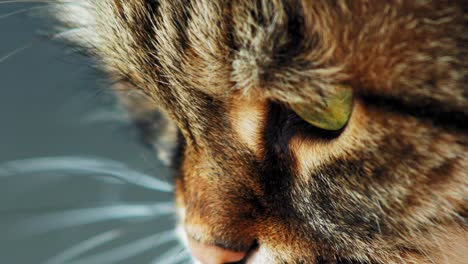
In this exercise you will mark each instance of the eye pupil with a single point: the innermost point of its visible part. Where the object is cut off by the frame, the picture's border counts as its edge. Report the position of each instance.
(333, 115)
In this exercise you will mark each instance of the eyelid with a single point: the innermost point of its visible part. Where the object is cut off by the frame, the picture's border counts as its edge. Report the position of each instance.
(334, 115)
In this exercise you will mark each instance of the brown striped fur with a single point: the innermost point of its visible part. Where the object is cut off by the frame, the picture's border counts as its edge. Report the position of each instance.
(391, 187)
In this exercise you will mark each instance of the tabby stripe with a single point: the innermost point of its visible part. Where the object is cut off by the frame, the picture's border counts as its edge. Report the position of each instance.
(278, 164)
(436, 112)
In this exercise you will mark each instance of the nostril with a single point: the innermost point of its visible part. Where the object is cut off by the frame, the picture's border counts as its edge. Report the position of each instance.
(210, 254)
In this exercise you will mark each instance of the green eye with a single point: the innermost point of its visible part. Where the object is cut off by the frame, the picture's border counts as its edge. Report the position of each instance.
(334, 115)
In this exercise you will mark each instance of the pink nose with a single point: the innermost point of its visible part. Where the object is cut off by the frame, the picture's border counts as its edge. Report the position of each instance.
(209, 254)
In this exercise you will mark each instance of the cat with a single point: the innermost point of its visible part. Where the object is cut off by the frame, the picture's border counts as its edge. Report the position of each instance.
(246, 92)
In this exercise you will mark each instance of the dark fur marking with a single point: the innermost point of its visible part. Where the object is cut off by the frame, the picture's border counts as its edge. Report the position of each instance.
(120, 10)
(278, 162)
(426, 109)
(178, 156)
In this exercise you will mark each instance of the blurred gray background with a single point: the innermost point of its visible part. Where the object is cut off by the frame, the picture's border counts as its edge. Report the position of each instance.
(59, 126)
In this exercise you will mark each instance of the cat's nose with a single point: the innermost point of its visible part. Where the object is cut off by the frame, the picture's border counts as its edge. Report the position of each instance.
(209, 254)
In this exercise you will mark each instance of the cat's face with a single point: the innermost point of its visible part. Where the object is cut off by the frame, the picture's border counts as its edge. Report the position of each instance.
(254, 178)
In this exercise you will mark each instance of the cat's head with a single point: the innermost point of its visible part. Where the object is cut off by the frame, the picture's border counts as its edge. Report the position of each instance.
(253, 177)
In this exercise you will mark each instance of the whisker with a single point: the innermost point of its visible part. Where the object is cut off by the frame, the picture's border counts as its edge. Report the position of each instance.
(130, 250)
(84, 247)
(34, 1)
(172, 256)
(184, 257)
(83, 165)
(181, 258)
(104, 116)
(14, 52)
(168, 254)
(20, 11)
(60, 220)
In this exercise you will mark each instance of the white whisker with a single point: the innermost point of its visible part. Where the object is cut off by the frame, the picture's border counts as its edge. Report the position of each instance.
(172, 256)
(130, 250)
(19, 11)
(34, 1)
(54, 221)
(14, 52)
(84, 247)
(104, 116)
(82, 165)
(181, 259)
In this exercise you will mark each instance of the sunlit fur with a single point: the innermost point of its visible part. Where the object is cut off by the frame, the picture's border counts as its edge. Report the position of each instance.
(390, 187)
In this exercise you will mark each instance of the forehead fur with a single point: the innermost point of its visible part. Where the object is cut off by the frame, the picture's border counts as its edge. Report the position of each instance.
(286, 50)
